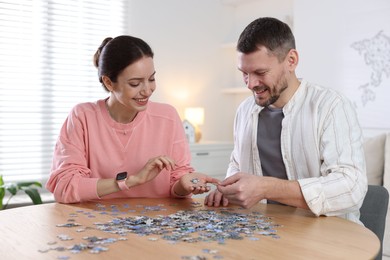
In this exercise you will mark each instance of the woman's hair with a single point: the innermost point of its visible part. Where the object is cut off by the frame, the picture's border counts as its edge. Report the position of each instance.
(115, 54)
(269, 32)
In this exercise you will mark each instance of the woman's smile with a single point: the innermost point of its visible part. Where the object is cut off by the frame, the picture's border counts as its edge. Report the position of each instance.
(141, 101)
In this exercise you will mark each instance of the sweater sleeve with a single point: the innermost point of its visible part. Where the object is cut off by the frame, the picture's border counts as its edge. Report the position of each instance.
(181, 154)
(70, 180)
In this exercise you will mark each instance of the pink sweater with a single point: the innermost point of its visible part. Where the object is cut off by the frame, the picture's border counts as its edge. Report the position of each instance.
(92, 146)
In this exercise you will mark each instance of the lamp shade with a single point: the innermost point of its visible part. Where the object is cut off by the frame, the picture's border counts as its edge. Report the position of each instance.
(195, 115)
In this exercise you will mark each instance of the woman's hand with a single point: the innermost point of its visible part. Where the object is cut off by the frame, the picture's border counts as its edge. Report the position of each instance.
(151, 169)
(194, 182)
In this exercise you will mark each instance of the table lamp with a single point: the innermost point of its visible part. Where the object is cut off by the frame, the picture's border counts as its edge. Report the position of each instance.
(195, 115)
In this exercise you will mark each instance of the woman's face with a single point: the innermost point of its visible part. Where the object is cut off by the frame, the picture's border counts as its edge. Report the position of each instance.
(134, 86)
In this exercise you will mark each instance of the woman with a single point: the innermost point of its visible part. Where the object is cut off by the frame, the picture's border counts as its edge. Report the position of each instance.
(124, 145)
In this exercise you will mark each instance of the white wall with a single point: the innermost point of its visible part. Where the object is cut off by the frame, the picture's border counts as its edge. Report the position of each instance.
(325, 32)
(192, 66)
(186, 37)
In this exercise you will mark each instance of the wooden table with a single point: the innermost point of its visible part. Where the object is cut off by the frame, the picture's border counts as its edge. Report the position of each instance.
(28, 233)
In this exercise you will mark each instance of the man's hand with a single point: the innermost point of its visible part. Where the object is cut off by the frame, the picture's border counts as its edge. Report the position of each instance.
(215, 199)
(242, 189)
(246, 190)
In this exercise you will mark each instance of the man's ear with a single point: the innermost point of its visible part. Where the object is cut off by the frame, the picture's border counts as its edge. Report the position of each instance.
(292, 59)
(107, 83)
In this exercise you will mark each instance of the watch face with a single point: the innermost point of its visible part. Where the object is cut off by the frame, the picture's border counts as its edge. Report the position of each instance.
(121, 176)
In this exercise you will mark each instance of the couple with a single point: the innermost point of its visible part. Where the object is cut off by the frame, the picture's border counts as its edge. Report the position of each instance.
(295, 143)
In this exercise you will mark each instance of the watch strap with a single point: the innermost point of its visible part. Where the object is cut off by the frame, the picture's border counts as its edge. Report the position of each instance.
(122, 185)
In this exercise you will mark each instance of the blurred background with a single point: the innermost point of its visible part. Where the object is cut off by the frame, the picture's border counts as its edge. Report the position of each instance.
(46, 49)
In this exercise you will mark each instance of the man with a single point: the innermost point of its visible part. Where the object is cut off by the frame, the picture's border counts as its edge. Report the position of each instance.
(295, 143)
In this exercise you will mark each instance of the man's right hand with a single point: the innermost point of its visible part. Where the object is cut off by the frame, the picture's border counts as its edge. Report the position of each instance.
(215, 199)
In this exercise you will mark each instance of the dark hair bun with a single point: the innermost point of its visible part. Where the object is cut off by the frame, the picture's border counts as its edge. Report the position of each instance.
(99, 51)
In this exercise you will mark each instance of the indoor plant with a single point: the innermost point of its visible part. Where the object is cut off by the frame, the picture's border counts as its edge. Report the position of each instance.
(28, 187)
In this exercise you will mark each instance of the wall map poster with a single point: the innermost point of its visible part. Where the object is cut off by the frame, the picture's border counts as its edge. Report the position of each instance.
(345, 45)
(367, 62)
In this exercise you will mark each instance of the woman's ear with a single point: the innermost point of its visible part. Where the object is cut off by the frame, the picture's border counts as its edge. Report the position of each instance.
(107, 83)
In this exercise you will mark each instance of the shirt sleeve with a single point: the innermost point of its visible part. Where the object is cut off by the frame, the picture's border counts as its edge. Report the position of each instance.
(69, 179)
(241, 159)
(234, 165)
(342, 186)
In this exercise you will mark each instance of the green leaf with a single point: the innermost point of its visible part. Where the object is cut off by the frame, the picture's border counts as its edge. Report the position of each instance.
(34, 195)
(27, 184)
(12, 188)
(2, 192)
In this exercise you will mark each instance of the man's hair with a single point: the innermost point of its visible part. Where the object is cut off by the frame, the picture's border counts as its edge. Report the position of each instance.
(269, 32)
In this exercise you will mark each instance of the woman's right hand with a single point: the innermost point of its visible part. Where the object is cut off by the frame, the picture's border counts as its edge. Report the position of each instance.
(151, 169)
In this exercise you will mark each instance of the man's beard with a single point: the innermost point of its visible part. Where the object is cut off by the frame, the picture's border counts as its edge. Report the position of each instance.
(275, 95)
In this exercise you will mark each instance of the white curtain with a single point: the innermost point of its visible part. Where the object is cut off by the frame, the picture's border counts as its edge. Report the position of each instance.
(46, 50)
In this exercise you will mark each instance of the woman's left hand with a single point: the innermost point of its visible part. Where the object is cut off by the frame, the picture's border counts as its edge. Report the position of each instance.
(196, 182)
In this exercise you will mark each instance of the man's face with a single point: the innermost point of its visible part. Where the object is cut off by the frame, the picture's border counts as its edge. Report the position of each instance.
(265, 75)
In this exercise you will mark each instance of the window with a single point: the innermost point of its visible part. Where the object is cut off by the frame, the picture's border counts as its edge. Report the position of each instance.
(46, 50)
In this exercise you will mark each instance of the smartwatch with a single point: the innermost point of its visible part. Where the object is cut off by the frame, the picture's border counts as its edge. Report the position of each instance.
(121, 181)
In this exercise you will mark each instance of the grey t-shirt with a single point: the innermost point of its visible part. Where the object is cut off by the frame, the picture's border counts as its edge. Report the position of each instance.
(268, 142)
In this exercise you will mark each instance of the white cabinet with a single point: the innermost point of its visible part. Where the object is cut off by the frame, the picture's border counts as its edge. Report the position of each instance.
(211, 158)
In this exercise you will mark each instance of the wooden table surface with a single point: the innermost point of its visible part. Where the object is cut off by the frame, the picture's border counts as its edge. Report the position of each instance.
(32, 232)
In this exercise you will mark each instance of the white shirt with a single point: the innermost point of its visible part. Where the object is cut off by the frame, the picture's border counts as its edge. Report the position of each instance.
(322, 148)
